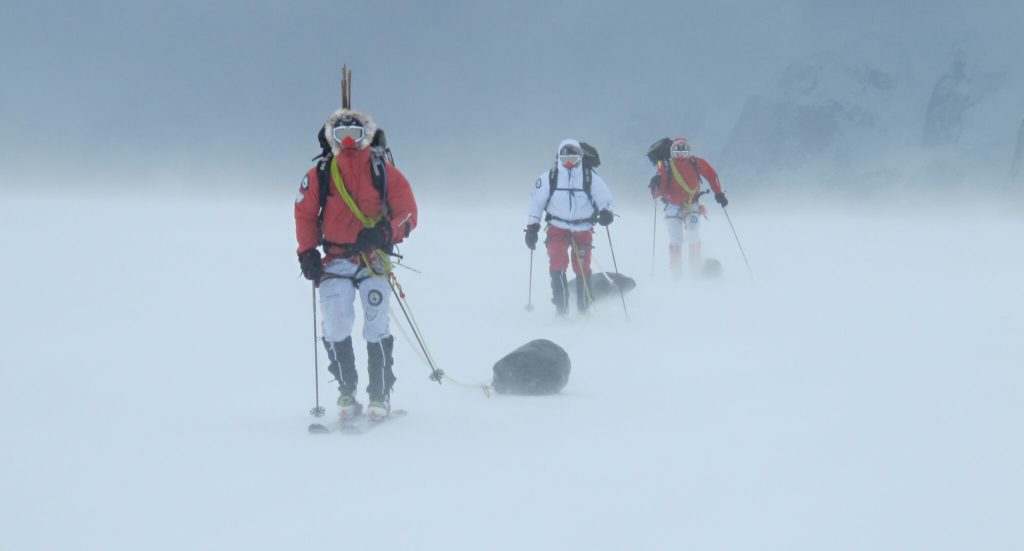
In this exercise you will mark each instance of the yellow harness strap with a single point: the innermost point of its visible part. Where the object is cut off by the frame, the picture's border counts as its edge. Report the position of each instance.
(377, 263)
(690, 193)
(339, 184)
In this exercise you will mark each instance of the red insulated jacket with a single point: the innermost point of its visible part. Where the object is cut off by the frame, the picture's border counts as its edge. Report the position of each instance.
(683, 191)
(340, 224)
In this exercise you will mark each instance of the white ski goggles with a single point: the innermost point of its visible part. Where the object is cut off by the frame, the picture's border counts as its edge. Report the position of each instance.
(357, 133)
(570, 159)
(681, 150)
(570, 155)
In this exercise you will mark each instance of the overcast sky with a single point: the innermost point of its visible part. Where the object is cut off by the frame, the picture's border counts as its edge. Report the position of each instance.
(231, 89)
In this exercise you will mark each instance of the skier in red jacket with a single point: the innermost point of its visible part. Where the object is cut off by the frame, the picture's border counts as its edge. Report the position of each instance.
(363, 217)
(677, 183)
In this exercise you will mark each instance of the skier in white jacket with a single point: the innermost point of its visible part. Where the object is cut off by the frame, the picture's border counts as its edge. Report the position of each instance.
(575, 198)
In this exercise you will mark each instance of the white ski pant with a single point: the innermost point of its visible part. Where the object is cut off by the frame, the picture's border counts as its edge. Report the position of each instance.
(337, 302)
(677, 219)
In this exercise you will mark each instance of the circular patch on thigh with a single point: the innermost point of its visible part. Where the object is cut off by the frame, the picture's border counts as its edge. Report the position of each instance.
(374, 298)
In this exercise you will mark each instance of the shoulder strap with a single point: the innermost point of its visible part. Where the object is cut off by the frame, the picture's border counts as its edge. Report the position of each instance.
(379, 173)
(693, 162)
(323, 181)
(552, 185)
(588, 179)
(692, 193)
(325, 172)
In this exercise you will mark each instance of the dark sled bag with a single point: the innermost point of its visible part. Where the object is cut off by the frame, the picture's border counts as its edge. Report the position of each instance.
(605, 284)
(535, 368)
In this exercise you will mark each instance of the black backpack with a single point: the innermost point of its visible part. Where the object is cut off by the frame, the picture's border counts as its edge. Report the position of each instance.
(660, 150)
(380, 157)
(591, 158)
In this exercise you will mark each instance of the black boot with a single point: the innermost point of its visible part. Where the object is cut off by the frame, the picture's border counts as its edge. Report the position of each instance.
(584, 296)
(389, 363)
(343, 365)
(379, 367)
(560, 292)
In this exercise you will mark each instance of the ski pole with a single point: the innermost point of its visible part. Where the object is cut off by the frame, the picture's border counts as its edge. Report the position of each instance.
(588, 295)
(654, 235)
(740, 245)
(435, 373)
(615, 264)
(317, 411)
(529, 295)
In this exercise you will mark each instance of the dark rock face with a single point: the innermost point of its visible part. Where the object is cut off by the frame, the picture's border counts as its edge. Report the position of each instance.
(955, 93)
(865, 120)
(950, 99)
(808, 117)
(773, 134)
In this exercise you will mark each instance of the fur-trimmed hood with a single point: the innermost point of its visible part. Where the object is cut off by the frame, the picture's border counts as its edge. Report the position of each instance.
(565, 142)
(342, 114)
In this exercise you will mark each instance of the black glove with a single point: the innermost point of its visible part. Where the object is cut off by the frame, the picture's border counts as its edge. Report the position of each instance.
(720, 197)
(531, 235)
(371, 239)
(312, 268)
(655, 183)
(605, 217)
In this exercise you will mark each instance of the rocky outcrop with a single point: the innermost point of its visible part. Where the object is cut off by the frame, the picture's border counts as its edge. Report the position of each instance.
(954, 94)
(824, 105)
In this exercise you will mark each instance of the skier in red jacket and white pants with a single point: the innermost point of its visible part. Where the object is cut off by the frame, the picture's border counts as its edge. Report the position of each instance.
(359, 226)
(677, 183)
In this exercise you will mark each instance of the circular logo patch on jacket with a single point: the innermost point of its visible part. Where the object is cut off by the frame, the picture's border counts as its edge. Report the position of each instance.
(374, 298)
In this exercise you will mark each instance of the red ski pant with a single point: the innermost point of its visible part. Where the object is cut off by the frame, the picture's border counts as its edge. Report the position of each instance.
(566, 245)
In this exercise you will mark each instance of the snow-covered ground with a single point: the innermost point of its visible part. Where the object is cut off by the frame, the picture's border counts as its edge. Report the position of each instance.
(863, 391)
